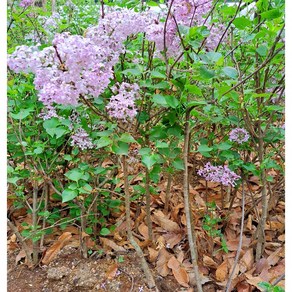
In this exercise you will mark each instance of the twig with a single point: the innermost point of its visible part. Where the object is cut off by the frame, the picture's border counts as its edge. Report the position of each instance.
(240, 242)
(149, 278)
(227, 27)
(190, 228)
(130, 276)
(21, 240)
(278, 279)
(256, 71)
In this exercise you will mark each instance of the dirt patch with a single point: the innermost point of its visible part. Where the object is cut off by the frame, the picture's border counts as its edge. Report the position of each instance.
(70, 272)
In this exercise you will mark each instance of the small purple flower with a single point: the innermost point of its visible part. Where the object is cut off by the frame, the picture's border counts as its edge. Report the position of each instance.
(238, 135)
(25, 3)
(220, 174)
(81, 139)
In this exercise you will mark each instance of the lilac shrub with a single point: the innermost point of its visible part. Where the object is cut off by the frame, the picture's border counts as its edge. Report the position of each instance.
(220, 174)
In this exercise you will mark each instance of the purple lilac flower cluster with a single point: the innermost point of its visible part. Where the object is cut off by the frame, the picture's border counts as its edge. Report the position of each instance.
(220, 174)
(25, 3)
(184, 13)
(122, 105)
(81, 139)
(82, 65)
(238, 135)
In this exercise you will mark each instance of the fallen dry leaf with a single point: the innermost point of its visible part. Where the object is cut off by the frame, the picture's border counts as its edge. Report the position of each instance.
(52, 251)
(162, 260)
(261, 265)
(109, 243)
(243, 287)
(249, 222)
(153, 254)
(166, 223)
(209, 262)
(274, 257)
(246, 261)
(221, 272)
(254, 281)
(179, 272)
(176, 210)
(112, 271)
(20, 256)
(172, 239)
(143, 229)
(160, 242)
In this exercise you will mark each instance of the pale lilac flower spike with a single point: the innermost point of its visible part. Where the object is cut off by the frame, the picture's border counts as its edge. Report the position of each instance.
(25, 3)
(238, 135)
(220, 174)
(81, 139)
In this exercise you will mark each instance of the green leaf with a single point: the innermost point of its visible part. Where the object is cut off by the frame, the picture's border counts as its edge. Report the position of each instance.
(157, 74)
(149, 160)
(230, 72)
(152, 3)
(121, 148)
(127, 138)
(54, 128)
(278, 289)
(262, 50)
(224, 146)
(144, 151)
(205, 73)
(22, 114)
(86, 188)
(171, 101)
(13, 180)
(271, 14)
(178, 164)
(159, 99)
(69, 195)
(99, 170)
(38, 150)
(102, 142)
(161, 144)
(241, 22)
(213, 57)
(204, 148)
(67, 157)
(104, 231)
(194, 89)
(134, 72)
(264, 285)
(74, 174)
(196, 102)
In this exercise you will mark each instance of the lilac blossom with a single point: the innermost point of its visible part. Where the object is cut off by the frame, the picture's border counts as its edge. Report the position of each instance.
(183, 13)
(25, 3)
(122, 105)
(81, 139)
(220, 174)
(238, 135)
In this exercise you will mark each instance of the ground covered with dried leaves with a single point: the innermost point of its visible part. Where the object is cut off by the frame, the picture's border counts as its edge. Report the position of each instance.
(113, 266)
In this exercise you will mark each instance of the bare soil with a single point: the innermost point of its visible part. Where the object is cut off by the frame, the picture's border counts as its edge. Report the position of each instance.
(70, 272)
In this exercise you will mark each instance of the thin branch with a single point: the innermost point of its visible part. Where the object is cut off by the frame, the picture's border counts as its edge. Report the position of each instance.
(227, 27)
(256, 71)
(240, 242)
